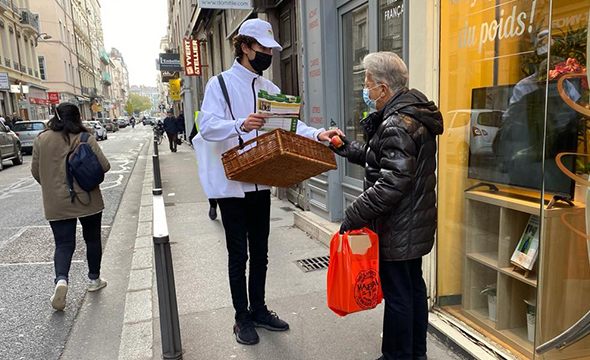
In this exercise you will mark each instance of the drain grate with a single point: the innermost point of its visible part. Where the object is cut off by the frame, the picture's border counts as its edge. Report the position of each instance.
(312, 264)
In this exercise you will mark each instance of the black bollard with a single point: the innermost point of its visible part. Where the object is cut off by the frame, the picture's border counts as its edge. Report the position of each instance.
(168, 307)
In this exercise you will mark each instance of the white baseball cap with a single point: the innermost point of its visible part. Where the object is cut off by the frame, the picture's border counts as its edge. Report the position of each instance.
(261, 31)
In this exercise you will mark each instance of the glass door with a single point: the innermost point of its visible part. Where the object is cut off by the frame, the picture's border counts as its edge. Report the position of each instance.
(355, 45)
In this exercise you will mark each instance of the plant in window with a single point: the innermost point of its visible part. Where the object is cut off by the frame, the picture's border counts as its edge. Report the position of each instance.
(491, 292)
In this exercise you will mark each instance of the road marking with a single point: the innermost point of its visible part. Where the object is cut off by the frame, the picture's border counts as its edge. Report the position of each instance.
(38, 263)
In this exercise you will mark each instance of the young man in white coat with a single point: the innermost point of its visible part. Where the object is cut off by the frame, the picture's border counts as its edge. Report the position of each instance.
(245, 208)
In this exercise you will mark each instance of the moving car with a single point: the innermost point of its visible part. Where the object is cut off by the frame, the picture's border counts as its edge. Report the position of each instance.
(101, 132)
(27, 131)
(10, 147)
(148, 121)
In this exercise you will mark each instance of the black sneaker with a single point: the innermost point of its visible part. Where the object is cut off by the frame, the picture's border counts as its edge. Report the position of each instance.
(212, 213)
(245, 333)
(270, 321)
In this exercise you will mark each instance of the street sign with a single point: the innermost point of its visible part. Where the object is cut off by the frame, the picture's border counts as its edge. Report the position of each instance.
(174, 89)
(226, 4)
(4, 81)
(192, 57)
(15, 89)
(170, 62)
(53, 97)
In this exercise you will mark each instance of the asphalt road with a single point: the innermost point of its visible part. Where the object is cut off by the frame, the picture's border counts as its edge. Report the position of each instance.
(29, 327)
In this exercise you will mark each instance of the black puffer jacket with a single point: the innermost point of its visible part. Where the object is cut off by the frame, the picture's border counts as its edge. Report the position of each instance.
(399, 201)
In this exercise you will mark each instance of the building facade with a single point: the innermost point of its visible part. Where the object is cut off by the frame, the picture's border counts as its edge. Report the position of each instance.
(19, 35)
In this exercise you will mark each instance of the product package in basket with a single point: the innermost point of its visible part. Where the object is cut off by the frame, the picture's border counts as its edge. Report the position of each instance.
(278, 158)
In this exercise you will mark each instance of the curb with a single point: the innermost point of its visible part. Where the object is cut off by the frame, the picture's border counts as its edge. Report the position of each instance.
(137, 337)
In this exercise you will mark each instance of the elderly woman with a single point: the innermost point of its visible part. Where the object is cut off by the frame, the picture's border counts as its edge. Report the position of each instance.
(399, 199)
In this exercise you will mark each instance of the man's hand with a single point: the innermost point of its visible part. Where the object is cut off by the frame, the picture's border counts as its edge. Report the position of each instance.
(327, 135)
(254, 122)
(342, 150)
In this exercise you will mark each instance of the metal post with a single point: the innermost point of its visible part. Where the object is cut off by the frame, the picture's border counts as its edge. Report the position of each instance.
(168, 307)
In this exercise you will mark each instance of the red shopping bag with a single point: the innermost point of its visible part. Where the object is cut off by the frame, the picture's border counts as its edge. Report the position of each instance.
(353, 279)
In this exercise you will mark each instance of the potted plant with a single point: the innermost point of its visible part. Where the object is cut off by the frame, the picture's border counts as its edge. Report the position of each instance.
(531, 311)
(490, 291)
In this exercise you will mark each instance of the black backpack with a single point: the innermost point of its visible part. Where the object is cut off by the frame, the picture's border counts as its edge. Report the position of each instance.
(83, 166)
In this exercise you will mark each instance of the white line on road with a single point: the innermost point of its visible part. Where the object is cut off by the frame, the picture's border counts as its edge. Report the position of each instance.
(38, 263)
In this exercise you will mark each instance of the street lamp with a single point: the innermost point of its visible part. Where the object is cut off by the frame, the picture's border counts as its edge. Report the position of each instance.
(44, 36)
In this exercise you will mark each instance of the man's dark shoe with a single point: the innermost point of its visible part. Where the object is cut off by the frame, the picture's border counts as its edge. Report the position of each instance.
(270, 321)
(245, 333)
(212, 213)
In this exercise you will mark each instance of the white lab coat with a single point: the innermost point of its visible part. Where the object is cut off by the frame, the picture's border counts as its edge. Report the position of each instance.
(219, 133)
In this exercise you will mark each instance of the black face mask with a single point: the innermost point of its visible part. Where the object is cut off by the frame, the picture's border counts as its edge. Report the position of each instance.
(261, 62)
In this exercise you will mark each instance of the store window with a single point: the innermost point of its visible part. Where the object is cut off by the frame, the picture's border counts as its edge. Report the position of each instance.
(354, 27)
(391, 26)
(512, 257)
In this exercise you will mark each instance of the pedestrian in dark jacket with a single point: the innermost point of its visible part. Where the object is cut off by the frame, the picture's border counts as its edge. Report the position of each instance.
(171, 128)
(399, 198)
(180, 127)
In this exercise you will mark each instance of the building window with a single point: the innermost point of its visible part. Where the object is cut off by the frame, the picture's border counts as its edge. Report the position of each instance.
(42, 68)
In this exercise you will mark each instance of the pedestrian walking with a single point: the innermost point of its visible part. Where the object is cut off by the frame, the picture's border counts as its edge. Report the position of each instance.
(399, 198)
(62, 208)
(227, 117)
(171, 129)
(16, 118)
(180, 127)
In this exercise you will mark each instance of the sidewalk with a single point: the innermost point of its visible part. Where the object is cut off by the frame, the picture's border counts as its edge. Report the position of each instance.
(204, 301)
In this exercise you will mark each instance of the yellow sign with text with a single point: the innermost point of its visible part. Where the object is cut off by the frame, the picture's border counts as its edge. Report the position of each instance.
(174, 89)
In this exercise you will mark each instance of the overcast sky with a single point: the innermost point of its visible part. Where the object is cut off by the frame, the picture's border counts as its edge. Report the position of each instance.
(135, 27)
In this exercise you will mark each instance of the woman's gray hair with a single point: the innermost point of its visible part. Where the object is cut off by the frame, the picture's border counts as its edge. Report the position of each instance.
(387, 68)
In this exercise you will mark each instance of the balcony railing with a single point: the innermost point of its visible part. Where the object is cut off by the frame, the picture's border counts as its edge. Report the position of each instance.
(106, 78)
(104, 57)
(28, 18)
(5, 5)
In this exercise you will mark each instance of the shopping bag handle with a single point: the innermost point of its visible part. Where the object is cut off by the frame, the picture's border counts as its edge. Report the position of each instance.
(364, 231)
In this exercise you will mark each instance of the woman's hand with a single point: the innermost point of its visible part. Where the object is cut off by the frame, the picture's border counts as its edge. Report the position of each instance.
(327, 135)
(254, 122)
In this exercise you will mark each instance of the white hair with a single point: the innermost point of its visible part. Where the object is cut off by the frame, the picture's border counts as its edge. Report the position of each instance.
(387, 68)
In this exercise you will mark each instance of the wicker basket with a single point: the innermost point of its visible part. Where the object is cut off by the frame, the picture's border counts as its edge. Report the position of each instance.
(278, 158)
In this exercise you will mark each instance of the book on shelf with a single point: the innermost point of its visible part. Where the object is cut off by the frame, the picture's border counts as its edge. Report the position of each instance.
(527, 250)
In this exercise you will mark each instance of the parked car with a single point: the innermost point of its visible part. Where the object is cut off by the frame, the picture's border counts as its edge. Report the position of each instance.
(90, 127)
(148, 121)
(27, 131)
(10, 147)
(122, 123)
(101, 132)
(109, 124)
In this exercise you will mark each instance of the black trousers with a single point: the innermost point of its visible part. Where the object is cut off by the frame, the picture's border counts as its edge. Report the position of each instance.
(172, 140)
(406, 310)
(64, 232)
(213, 203)
(247, 227)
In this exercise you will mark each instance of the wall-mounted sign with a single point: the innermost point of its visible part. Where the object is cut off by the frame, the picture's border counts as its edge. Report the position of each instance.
(17, 88)
(169, 62)
(174, 89)
(53, 97)
(38, 101)
(192, 57)
(4, 81)
(225, 4)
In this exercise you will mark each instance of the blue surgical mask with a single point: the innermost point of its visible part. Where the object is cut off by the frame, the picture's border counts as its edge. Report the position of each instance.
(366, 96)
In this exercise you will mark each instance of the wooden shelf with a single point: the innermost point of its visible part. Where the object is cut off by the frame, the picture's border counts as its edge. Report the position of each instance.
(531, 280)
(520, 202)
(482, 315)
(489, 259)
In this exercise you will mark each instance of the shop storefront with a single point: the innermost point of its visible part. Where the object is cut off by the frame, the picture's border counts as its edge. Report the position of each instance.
(333, 81)
(514, 95)
(510, 265)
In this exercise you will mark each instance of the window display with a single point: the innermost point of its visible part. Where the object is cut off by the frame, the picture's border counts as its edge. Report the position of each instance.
(514, 94)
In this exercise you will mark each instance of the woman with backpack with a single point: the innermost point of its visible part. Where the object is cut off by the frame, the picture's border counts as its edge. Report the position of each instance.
(65, 205)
